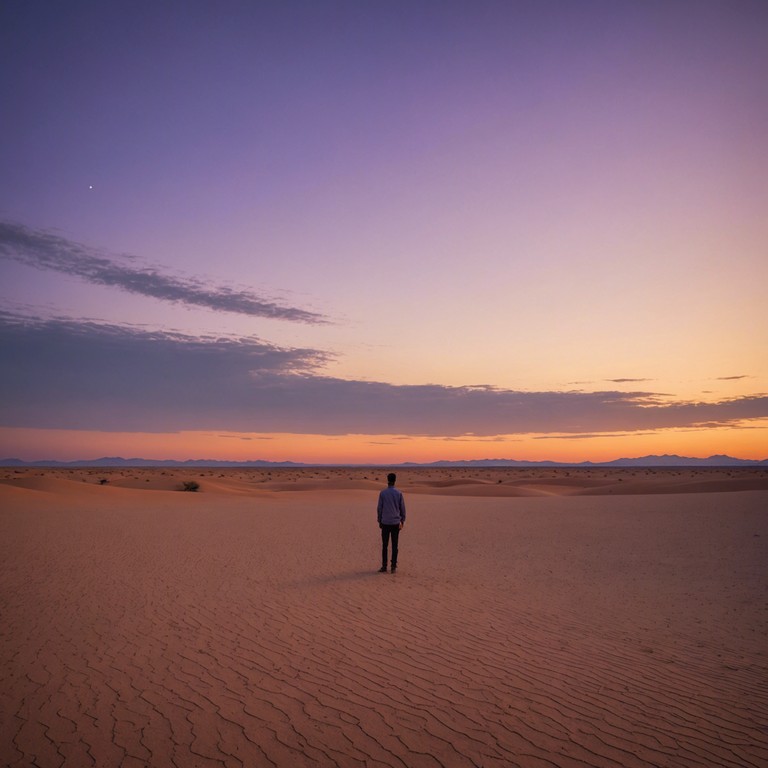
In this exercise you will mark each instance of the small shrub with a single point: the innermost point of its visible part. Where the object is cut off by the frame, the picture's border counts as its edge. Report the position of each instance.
(191, 485)
(103, 481)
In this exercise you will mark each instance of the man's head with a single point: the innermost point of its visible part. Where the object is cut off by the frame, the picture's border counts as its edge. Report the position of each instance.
(391, 477)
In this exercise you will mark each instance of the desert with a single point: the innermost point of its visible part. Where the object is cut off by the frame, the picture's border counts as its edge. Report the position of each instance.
(255, 256)
(539, 617)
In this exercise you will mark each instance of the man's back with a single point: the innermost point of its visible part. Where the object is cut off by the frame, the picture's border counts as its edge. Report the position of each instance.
(391, 507)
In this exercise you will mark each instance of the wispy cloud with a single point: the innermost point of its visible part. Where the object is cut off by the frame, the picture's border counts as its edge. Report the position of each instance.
(44, 250)
(83, 375)
(732, 378)
(626, 381)
(590, 435)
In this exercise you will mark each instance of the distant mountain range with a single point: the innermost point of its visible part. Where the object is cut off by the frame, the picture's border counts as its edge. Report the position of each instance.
(665, 460)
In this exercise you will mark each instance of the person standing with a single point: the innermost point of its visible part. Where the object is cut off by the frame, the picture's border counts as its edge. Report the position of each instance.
(391, 515)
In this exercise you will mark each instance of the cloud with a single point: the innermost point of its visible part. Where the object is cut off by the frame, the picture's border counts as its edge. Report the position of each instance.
(590, 436)
(81, 375)
(64, 372)
(44, 250)
(626, 381)
(732, 378)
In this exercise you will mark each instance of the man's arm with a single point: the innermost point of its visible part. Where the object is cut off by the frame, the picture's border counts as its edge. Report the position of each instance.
(402, 510)
(379, 508)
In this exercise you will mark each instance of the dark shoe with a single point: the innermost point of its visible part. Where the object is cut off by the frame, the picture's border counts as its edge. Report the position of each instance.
(383, 569)
(393, 569)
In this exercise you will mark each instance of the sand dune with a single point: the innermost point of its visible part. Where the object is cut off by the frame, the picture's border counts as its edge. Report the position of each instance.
(496, 481)
(246, 624)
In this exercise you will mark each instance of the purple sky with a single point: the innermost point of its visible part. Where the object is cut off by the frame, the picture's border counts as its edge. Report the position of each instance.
(558, 205)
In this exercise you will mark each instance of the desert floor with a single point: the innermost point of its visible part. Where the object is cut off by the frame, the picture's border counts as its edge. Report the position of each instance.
(538, 618)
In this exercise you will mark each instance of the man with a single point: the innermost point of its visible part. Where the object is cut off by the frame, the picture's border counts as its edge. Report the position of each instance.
(391, 515)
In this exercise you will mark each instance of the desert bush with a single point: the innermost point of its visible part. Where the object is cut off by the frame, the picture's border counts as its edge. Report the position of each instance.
(191, 485)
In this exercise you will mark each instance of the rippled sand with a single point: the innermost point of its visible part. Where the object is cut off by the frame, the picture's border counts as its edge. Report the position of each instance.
(538, 618)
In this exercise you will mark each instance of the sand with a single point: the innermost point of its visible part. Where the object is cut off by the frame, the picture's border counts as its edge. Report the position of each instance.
(538, 618)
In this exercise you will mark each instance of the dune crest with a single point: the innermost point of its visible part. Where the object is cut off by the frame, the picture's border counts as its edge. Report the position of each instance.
(493, 481)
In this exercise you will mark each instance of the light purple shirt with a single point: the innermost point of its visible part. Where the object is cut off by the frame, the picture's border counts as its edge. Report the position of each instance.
(391, 508)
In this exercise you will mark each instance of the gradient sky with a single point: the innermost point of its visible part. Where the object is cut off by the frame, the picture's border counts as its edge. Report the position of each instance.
(383, 231)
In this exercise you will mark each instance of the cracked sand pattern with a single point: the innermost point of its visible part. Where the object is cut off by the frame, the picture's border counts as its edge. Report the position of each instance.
(157, 628)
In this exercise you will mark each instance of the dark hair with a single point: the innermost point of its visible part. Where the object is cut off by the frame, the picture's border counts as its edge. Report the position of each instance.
(391, 477)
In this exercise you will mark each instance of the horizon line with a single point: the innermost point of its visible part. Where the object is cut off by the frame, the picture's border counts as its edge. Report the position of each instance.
(135, 461)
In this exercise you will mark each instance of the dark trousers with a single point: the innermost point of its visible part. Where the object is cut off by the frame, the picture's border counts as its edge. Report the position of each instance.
(386, 532)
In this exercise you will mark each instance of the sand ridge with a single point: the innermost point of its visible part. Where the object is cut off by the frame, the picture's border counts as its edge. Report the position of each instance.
(492, 481)
(249, 627)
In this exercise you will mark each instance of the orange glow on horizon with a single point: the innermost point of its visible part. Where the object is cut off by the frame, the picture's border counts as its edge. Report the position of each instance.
(748, 441)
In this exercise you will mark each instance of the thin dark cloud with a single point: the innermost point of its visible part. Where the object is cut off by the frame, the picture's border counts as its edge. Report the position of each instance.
(590, 436)
(44, 250)
(82, 375)
(732, 378)
(626, 381)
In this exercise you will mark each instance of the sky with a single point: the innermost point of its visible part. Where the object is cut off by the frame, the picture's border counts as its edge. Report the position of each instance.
(375, 232)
